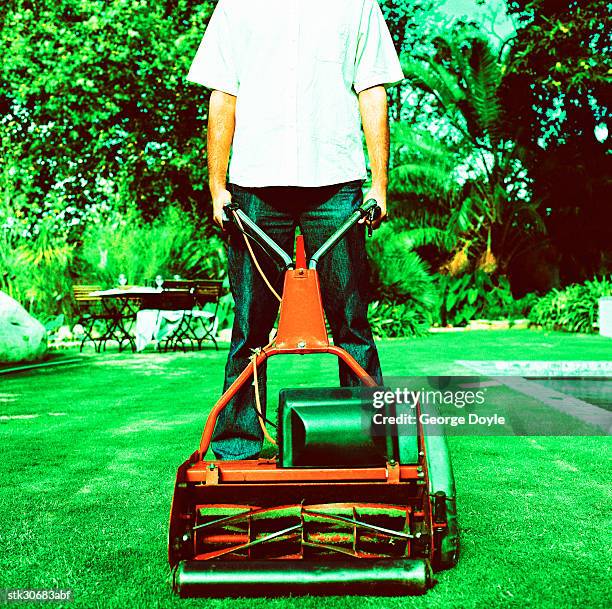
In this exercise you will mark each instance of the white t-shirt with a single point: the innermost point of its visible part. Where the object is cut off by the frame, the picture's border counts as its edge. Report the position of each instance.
(296, 67)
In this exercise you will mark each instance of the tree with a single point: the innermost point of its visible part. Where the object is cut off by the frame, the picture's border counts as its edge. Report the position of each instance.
(95, 100)
(409, 22)
(490, 215)
(555, 94)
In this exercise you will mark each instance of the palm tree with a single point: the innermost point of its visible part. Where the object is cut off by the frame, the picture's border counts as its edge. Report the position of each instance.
(489, 215)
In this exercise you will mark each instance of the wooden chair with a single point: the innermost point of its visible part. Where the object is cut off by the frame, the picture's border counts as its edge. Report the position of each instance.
(89, 312)
(197, 324)
(208, 291)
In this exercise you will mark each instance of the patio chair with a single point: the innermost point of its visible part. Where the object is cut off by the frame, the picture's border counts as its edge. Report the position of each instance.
(178, 300)
(207, 292)
(89, 313)
(196, 324)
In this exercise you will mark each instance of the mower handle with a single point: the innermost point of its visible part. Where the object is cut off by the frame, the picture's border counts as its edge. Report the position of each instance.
(242, 221)
(369, 209)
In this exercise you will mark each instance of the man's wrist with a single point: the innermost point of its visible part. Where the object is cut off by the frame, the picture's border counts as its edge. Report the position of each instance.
(217, 188)
(380, 185)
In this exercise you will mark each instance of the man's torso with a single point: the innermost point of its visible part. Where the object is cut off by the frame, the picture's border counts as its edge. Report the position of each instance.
(297, 116)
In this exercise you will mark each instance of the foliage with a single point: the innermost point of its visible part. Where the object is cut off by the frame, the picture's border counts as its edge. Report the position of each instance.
(422, 175)
(101, 139)
(409, 22)
(173, 244)
(100, 133)
(408, 299)
(478, 296)
(404, 286)
(96, 112)
(487, 205)
(573, 309)
(405, 21)
(392, 320)
(39, 272)
(555, 93)
(36, 272)
(558, 69)
(400, 273)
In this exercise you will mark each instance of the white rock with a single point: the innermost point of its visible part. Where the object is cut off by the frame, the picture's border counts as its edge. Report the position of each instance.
(22, 338)
(520, 324)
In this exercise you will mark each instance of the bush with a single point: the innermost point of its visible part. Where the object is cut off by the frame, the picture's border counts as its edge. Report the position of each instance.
(478, 295)
(391, 320)
(35, 271)
(572, 309)
(408, 300)
(39, 269)
(173, 244)
(404, 291)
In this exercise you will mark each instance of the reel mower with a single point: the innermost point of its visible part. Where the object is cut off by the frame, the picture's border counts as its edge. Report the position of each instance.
(342, 508)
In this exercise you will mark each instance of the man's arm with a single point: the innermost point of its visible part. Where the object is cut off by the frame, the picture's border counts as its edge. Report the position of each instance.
(375, 120)
(221, 125)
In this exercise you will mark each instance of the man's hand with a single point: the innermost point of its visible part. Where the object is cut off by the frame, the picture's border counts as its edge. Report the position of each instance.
(380, 196)
(375, 120)
(221, 125)
(220, 200)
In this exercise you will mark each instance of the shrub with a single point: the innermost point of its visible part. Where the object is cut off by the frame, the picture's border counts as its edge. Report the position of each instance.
(39, 269)
(35, 271)
(479, 295)
(391, 320)
(173, 244)
(404, 291)
(572, 309)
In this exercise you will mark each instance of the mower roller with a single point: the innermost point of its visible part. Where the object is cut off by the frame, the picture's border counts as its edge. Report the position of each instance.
(342, 508)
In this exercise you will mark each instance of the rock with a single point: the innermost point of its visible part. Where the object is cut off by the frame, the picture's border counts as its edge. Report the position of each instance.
(479, 324)
(22, 338)
(520, 324)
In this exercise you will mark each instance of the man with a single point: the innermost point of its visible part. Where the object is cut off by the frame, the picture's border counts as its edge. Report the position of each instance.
(291, 82)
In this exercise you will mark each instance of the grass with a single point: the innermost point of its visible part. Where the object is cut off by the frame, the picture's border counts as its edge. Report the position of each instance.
(86, 481)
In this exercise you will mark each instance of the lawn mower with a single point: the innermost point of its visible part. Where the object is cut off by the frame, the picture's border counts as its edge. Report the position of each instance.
(343, 508)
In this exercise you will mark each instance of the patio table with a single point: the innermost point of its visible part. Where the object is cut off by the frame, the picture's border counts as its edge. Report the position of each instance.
(122, 305)
(143, 314)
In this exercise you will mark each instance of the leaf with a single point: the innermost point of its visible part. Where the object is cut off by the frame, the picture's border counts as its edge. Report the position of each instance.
(451, 300)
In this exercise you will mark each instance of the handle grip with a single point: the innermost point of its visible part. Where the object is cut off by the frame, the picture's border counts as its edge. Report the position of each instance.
(226, 213)
(372, 211)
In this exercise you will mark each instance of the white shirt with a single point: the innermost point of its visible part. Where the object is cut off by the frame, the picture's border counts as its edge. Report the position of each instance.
(296, 67)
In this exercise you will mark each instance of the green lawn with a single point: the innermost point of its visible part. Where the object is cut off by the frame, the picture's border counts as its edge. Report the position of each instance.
(90, 452)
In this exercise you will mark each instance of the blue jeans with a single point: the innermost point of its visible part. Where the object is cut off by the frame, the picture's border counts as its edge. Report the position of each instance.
(278, 211)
